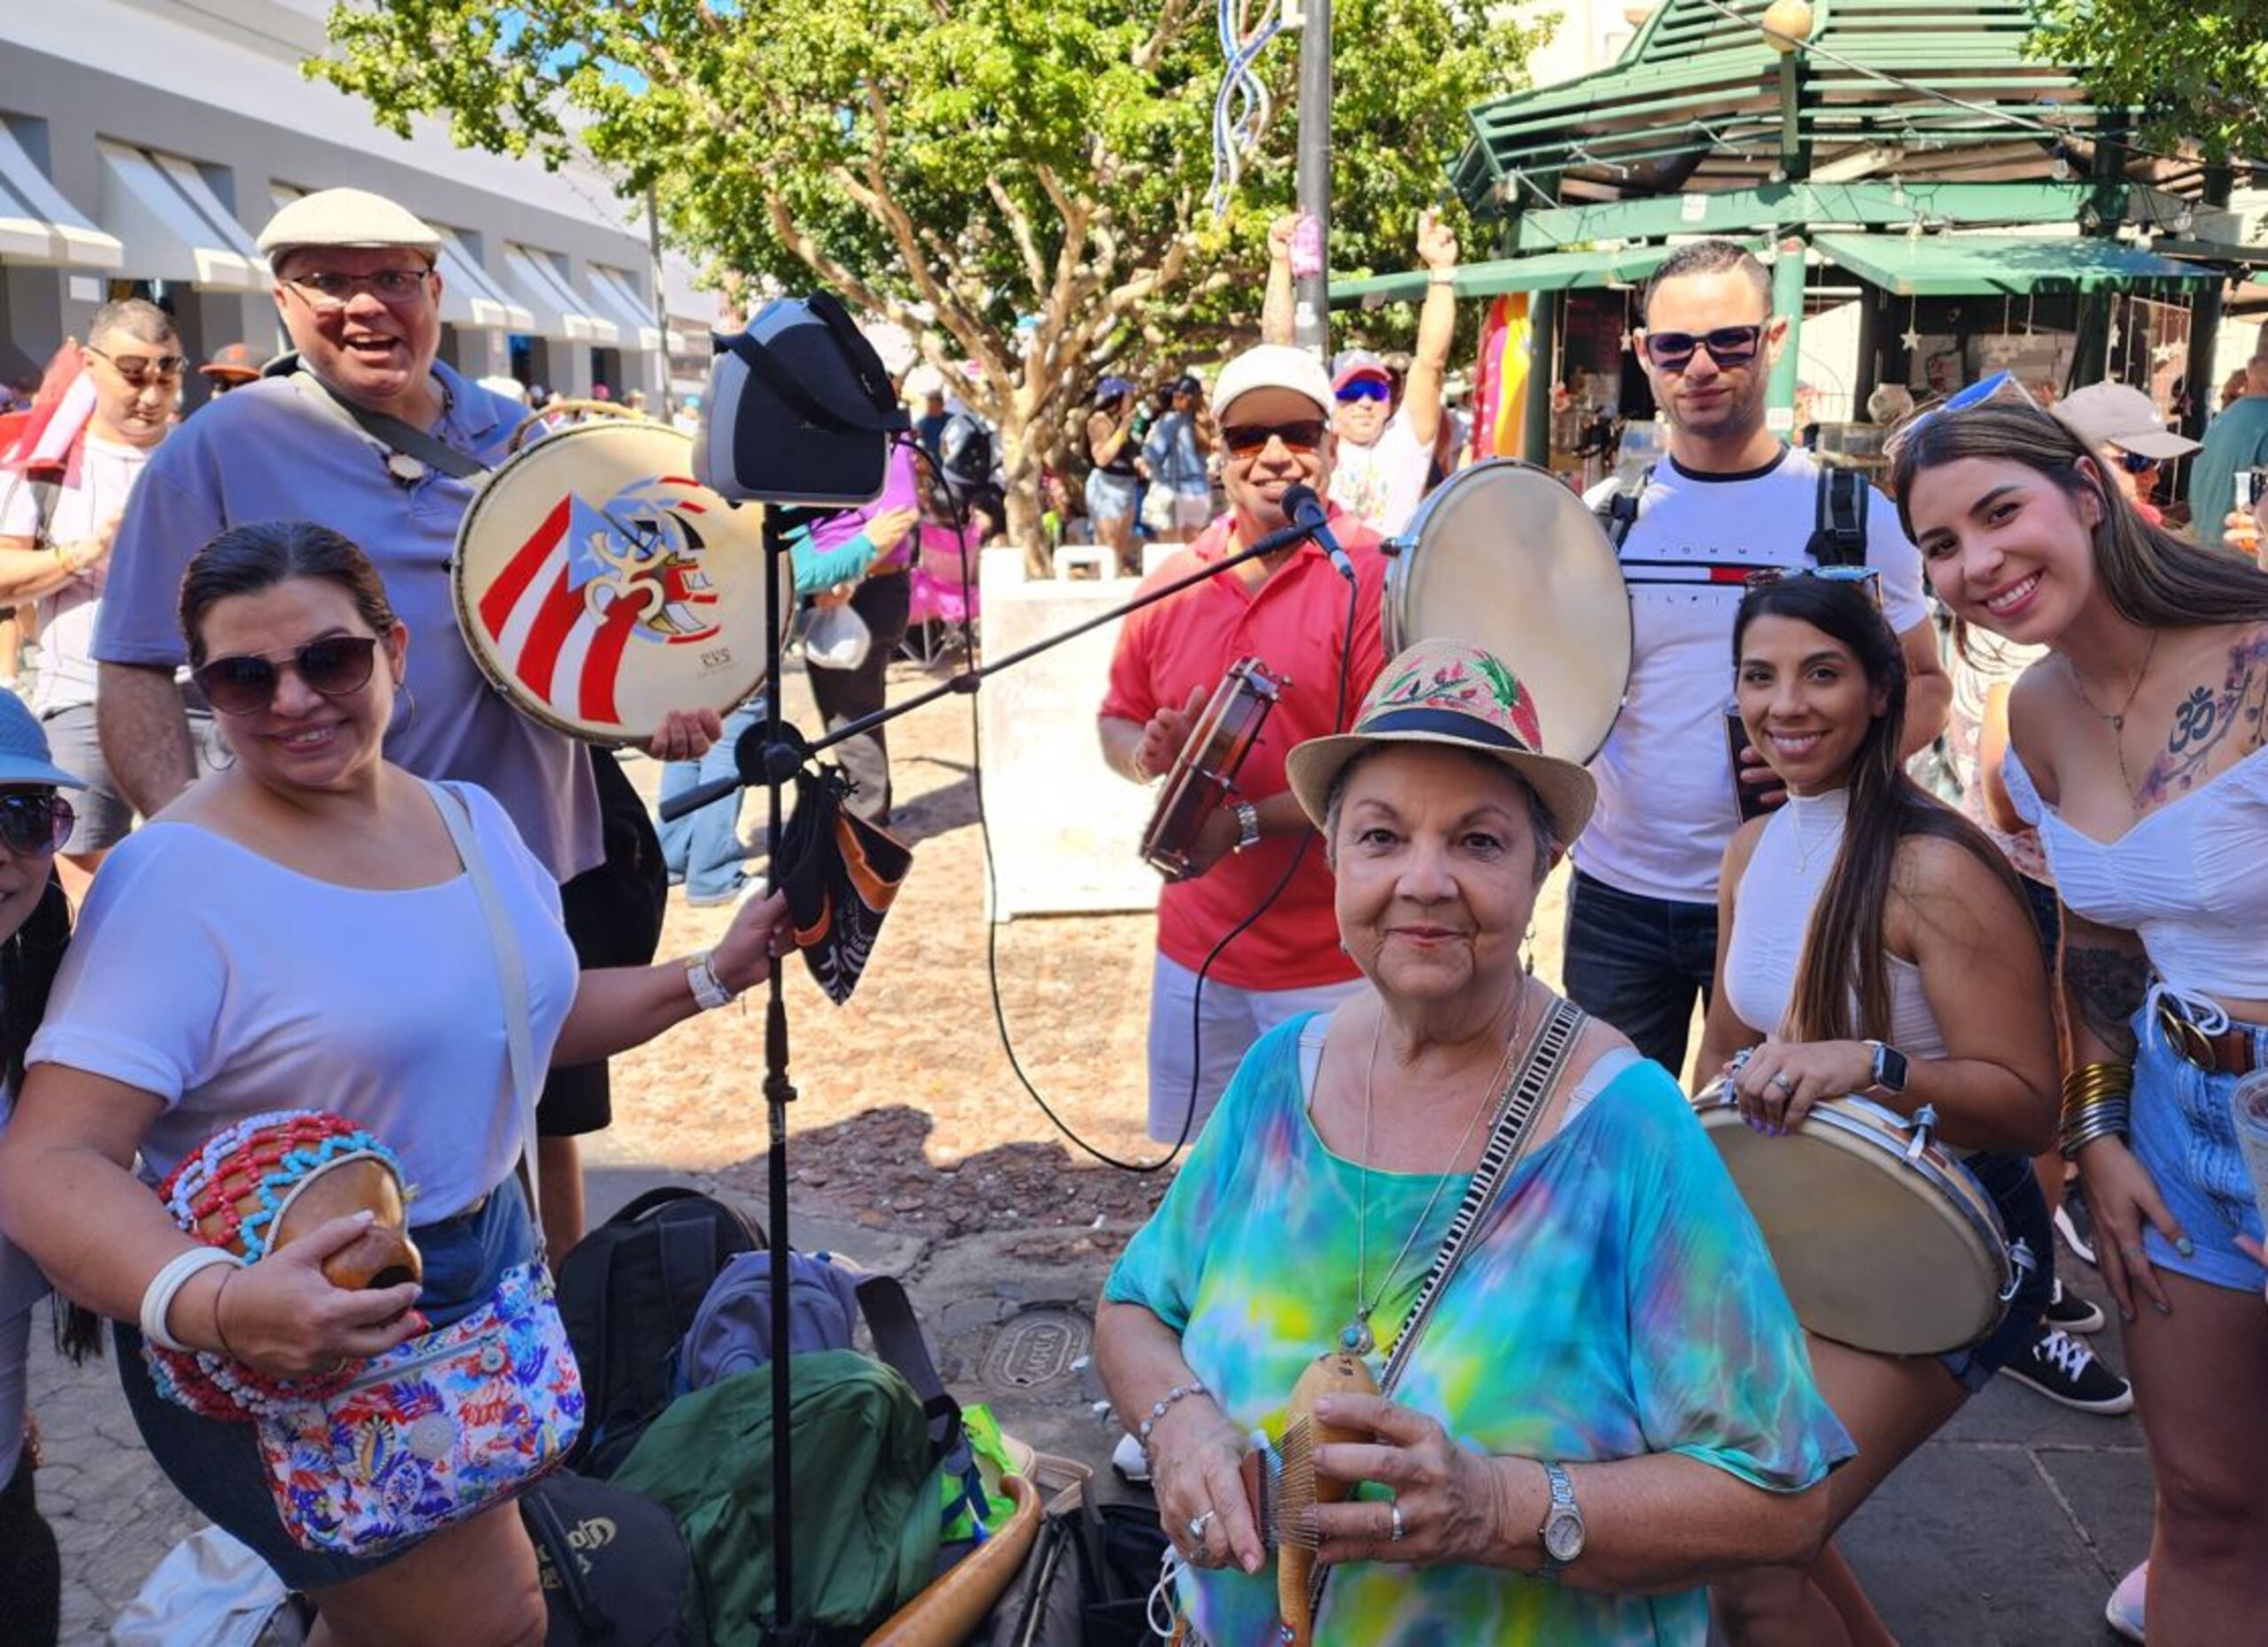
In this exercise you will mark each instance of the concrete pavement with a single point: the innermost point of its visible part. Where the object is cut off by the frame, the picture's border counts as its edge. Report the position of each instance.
(2006, 1530)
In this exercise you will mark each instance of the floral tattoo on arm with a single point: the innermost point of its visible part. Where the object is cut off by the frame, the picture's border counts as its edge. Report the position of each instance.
(2205, 720)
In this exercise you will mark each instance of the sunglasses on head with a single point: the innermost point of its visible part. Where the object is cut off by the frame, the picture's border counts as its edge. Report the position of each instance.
(1866, 577)
(1304, 436)
(333, 665)
(33, 821)
(1364, 389)
(1727, 345)
(2000, 384)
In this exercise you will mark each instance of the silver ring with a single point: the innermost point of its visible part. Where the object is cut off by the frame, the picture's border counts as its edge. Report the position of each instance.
(1393, 1523)
(1198, 1524)
(1782, 1082)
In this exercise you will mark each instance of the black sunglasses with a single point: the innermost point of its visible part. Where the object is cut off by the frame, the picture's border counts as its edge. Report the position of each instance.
(333, 665)
(34, 821)
(1304, 436)
(1727, 345)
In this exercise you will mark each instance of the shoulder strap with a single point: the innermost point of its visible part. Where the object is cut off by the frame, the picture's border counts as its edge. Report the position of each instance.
(1839, 534)
(899, 1341)
(388, 431)
(45, 494)
(1618, 512)
(511, 975)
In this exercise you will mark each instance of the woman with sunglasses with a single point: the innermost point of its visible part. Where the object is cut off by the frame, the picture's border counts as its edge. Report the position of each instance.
(299, 931)
(2136, 747)
(34, 925)
(1872, 942)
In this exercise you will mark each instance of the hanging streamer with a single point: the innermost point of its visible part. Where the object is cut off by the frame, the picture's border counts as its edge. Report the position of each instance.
(1241, 108)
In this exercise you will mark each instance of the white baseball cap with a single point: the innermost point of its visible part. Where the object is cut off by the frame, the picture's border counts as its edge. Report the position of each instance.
(2116, 414)
(1273, 366)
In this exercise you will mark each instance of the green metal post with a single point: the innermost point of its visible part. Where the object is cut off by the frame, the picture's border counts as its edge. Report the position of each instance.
(1787, 299)
(1535, 414)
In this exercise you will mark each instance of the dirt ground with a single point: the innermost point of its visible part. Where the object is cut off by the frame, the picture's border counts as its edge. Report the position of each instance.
(908, 1114)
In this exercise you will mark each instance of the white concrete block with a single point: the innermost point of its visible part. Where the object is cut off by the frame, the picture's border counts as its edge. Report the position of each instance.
(1065, 830)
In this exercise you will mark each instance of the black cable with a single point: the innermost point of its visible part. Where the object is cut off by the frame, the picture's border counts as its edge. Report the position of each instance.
(992, 876)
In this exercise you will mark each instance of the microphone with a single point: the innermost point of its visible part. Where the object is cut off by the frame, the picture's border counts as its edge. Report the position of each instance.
(1305, 512)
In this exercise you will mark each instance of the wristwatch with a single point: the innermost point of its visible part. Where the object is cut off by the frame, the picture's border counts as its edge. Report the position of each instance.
(1563, 1525)
(709, 991)
(1889, 1070)
(1247, 825)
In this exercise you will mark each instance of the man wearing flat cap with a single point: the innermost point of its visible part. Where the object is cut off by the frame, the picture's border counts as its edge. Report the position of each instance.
(356, 284)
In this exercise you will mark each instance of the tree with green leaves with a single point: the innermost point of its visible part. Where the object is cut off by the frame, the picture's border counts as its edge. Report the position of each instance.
(2201, 70)
(1019, 183)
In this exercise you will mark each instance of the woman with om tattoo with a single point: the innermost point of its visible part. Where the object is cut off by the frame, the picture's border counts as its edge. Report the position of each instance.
(2136, 748)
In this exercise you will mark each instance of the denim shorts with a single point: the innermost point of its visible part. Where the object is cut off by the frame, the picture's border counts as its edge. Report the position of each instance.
(2186, 1138)
(2014, 1189)
(217, 1466)
(1111, 497)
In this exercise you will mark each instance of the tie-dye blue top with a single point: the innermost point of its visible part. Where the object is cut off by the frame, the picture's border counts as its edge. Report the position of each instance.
(1619, 1301)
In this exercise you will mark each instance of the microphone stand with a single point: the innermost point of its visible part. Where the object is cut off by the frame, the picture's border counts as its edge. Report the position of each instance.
(770, 753)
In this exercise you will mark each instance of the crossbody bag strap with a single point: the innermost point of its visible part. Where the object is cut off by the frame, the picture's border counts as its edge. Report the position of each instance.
(511, 975)
(1508, 1137)
(389, 431)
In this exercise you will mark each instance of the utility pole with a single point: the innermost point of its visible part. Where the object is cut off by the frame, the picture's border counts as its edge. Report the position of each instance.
(661, 297)
(1311, 308)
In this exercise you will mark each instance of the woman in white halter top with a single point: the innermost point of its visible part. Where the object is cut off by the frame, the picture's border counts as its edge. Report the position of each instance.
(2136, 747)
(1871, 941)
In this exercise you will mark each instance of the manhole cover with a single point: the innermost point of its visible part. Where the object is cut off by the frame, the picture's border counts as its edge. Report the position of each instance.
(1036, 1347)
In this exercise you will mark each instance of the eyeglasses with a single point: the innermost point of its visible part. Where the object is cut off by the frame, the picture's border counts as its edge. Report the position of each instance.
(334, 665)
(328, 289)
(1976, 394)
(142, 372)
(34, 821)
(1364, 389)
(1866, 577)
(1727, 345)
(1304, 436)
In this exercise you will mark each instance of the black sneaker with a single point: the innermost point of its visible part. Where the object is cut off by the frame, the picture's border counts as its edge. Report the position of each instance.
(2075, 1223)
(2072, 1313)
(2063, 1369)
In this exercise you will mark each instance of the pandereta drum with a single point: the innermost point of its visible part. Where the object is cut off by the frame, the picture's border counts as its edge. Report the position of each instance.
(1204, 771)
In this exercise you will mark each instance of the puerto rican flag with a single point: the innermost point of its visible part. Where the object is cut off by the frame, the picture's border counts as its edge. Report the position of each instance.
(568, 648)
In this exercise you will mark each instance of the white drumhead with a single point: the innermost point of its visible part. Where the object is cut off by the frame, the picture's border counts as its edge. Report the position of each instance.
(1504, 555)
(599, 586)
(1871, 1252)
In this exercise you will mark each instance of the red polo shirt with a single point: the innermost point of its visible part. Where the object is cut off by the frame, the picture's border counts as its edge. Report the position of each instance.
(1295, 623)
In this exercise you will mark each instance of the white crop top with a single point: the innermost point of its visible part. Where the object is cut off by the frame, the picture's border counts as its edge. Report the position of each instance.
(1792, 860)
(2186, 879)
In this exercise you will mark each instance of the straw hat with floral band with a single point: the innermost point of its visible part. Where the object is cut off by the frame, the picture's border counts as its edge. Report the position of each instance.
(1454, 694)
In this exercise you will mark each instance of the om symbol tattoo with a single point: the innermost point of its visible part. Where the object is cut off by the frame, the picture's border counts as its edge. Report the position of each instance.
(2193, 721)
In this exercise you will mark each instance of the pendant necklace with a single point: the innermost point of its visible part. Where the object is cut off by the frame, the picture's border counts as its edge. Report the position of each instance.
(2116, 722)
(1355, 1338)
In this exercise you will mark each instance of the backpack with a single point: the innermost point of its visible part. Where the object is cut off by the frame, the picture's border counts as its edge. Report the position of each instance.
(866, 1485)
(627, 1292)
(611, 1562)
(1087, 1581)
(1838, 536)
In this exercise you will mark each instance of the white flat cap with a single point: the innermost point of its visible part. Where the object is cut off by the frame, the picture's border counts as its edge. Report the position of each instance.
(346, 217)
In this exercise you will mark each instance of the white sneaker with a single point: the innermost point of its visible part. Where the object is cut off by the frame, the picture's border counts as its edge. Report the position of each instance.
(2123, 1613)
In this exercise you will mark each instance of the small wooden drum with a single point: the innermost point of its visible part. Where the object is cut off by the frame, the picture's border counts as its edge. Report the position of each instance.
(1504, 555)
(1206, 770)
(600, 586)
(1883, 1241)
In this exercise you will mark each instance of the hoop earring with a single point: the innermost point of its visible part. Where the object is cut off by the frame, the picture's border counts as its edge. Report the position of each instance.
(410, 719)
(220, 746)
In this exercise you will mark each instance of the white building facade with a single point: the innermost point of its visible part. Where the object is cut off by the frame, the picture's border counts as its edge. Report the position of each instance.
(143, 143)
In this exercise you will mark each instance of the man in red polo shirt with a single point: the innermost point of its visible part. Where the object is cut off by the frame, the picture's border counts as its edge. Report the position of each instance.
(1289, 610)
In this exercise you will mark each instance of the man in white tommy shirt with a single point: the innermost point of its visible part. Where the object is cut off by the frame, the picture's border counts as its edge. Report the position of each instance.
(1732, 497)
(1386, 453)
(56, 549)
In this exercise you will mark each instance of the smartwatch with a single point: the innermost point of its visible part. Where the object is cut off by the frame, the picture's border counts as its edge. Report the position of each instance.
(1890, 1069)
(1563, 1525)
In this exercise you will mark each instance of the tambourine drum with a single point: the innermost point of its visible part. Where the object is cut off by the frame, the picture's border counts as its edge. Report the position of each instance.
(1504, 555)
(1206, 770)
(1883, 1241)
(600, 585)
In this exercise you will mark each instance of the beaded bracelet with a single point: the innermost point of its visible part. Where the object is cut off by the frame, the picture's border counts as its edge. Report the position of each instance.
(1158, 1409)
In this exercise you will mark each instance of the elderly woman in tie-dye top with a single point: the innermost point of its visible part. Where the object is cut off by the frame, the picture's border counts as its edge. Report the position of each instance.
(1610, 1401)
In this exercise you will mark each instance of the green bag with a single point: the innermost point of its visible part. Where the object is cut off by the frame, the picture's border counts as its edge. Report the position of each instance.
(866, 1483)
